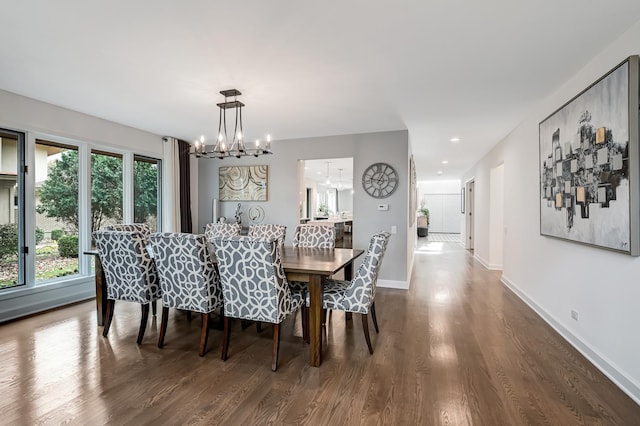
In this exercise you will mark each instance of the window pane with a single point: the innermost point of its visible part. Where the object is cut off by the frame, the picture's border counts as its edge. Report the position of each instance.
(56, 170)
(11, 234)
(106, 189)
(145, 191)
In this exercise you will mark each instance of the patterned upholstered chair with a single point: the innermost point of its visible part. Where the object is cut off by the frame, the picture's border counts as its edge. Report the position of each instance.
(129, 272)
(268, 231)
(358, 295)
(254, 286)
(312, 236)
(143, 228)
(318, 236)
(188, 279)
(217, 230)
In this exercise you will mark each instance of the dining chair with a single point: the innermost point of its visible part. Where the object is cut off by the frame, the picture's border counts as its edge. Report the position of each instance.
(254, 286)
(318, 236)
(188, 279)
(268, 230)
(144, 229)
(217, 230)
(358, 295)
(129, 271)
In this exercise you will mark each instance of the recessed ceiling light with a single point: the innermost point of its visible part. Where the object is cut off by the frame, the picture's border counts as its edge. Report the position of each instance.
(439, 172)
(454, 140)
(445, 161)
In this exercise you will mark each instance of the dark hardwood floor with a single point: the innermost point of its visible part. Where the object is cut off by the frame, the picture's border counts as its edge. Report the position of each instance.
(458, 348)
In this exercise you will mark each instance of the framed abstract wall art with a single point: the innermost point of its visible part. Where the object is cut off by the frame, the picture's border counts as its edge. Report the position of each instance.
(243, 183)
(413, 192)
(589, 172)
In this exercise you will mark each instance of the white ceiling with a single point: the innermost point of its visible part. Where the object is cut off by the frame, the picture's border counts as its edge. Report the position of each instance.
(435, 67)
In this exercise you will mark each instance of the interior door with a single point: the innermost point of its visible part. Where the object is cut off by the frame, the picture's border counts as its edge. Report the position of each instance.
(444, 212)
(469, 212)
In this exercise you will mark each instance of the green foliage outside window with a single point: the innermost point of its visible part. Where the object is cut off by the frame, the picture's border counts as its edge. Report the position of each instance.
(68, 246)
(59, 192)
(56, 234)
(8, 240)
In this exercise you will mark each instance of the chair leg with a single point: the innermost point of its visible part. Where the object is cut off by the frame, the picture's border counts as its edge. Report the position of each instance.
(143, 322)
(324, 317)
(305, 323)
(276, 347)
(365, 327)
(154, 308)
(163, 326)
(226, 334)
(373, 317)
(108, 317)
(259, 326)
(204, 334)
(189, 318)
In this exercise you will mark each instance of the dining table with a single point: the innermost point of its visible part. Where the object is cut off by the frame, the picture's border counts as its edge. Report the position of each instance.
(308, 265)
(312, 266)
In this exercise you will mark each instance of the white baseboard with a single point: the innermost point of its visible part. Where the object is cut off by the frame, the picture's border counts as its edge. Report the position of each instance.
(481, 260)
(403, 285)
(489, 266)
(617, 376)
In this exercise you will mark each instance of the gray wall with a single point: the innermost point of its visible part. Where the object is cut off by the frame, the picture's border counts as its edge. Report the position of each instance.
(282, 206)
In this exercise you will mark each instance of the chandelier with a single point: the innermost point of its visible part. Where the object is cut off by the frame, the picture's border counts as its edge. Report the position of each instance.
(234, 147)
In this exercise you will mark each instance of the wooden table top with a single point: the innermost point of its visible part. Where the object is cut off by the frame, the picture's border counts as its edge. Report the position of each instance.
(317, 261)
(308, 260)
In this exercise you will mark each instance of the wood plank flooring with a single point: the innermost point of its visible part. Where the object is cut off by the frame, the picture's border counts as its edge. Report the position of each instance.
(456, 349)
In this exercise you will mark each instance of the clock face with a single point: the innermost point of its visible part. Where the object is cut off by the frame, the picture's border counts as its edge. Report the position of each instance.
(380, 180)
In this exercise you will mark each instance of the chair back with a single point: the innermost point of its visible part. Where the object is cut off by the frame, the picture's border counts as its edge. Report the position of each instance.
(143, 228)
(317, 236)
(218, 230)
(129, 270)
(361, 292)
(188, 277)
(254, 284)
(268, 231)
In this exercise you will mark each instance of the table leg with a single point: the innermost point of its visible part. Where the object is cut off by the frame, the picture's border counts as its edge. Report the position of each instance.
(101, 292)
(315, 320)
(348, 276)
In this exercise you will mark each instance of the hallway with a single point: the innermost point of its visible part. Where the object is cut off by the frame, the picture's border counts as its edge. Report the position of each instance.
(492, 360)
(457, 348)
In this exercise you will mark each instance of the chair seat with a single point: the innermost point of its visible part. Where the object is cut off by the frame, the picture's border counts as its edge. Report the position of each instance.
(333, 297)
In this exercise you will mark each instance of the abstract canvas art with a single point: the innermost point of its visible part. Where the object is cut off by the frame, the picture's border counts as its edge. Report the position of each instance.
(243, 183)
(589, 164)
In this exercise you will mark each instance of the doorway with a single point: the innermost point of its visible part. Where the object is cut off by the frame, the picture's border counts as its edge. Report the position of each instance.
(469, 206)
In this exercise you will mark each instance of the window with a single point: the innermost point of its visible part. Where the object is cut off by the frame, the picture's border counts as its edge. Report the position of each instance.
(56, 204)
(106, 189)
(146, 191)
(12, 235)
(76, 190)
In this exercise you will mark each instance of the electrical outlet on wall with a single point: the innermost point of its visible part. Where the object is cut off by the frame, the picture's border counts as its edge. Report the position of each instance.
(575, 315)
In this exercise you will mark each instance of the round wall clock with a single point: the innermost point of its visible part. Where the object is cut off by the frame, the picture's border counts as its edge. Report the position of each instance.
(380, 180)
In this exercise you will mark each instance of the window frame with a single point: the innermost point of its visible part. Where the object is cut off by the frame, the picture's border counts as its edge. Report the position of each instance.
(27, 206)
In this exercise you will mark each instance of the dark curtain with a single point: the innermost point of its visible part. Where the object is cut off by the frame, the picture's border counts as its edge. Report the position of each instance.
(185, 187)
